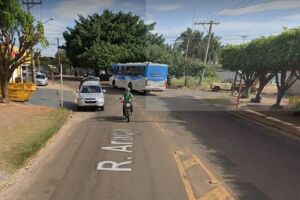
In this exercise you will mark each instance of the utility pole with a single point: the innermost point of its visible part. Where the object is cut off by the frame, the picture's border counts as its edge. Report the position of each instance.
(61, 76)
(210, 23)
(38, 60)
(31, 3)
(186, 59)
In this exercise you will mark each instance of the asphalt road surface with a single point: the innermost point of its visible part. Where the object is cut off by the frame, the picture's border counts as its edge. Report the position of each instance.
(172, 149)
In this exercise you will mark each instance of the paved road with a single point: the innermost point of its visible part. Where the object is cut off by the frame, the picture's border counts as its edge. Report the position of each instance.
(169, 154)
(51, 97)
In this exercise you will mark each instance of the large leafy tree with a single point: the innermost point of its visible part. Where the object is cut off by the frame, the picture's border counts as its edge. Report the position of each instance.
(235, 57)
(265, 58)
(286, 60)
(17, 28)
(98, 40)
(168, 55)
(259, 57)
(62, 57)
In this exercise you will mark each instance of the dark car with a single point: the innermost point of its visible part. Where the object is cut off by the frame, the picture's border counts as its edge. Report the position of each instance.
(104, 77)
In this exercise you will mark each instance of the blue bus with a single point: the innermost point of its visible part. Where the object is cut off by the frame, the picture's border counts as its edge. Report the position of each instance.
(140, 76)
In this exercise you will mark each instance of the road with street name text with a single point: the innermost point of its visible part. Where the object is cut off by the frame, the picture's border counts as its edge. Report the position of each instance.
(175, 148)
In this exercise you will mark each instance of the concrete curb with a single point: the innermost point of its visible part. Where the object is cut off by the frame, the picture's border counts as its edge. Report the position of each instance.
(283, 126)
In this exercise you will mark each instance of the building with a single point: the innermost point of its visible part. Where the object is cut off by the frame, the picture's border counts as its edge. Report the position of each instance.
(21, 73)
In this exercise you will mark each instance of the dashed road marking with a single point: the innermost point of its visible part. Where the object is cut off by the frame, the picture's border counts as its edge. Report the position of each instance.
(203, 166)
(219, 193)
(184, 178)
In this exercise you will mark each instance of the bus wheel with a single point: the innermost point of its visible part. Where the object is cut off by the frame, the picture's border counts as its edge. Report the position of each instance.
(146, 92)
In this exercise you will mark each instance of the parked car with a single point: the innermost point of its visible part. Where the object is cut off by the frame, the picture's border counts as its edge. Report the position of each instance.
(41, 79)
(226, 84)
(91, 94)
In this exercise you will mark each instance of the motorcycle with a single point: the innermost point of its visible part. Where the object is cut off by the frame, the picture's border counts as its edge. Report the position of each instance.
(127, 110)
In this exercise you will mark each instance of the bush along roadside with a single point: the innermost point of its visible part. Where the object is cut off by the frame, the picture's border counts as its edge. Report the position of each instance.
(24, 140)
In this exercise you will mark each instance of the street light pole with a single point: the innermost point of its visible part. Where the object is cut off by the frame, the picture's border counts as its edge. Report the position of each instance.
(61, 77)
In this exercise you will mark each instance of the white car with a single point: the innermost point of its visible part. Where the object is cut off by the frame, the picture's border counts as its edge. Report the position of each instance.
(91, 95)
(41, 79)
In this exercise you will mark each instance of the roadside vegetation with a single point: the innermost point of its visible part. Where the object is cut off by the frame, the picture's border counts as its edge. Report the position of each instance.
(18, 29)
(264, 59)
(97, 41)
(21, 141)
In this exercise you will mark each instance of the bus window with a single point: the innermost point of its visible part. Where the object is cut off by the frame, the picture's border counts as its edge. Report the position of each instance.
(115, 70)
(141, 70)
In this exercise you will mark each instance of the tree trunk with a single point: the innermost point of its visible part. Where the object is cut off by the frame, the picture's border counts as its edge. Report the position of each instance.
(4, 91)
(245, 92)
(259, 91)
(234, 82)
(280, 94)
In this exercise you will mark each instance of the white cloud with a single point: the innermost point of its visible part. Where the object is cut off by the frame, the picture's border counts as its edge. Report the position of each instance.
(70, 9)
(170, 32)
(293, 17)
(231, 31)
(273, 5)
(165, 7)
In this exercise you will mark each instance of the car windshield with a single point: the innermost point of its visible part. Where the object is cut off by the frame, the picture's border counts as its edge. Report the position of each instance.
(90, 89)
(41, 76)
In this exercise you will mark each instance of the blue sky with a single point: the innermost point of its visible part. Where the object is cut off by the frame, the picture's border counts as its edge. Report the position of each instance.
(252, 18)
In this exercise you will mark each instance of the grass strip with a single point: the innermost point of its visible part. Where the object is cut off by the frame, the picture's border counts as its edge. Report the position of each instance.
(17, 145)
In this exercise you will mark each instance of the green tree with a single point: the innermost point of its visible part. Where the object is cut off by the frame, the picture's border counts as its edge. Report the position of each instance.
(168, 55)
(265, 58)
(260, 61)
(16, 28)
(66, 64)
(286, 59)
(235, 57)
(99, 40)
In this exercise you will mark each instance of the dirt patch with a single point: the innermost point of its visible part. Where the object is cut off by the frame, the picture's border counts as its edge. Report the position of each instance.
(14, 113)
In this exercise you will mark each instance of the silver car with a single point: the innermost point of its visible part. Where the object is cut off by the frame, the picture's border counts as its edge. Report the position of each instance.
(91, 95)
(41, 79)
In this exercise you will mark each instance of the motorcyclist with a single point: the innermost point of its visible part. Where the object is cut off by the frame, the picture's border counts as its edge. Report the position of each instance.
(127, 98)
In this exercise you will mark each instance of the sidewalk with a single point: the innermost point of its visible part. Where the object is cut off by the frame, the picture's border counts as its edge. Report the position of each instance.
(282, 119)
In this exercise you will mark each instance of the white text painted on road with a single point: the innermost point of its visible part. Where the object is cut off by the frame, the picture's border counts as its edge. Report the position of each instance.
(123, 139)
(118, 148)
(113, 166)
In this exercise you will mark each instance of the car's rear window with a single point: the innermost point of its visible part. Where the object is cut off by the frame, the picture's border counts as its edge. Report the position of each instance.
(90, 89)
(40, 76)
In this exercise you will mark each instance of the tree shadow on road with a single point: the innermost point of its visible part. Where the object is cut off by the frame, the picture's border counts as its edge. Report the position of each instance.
(238, 147)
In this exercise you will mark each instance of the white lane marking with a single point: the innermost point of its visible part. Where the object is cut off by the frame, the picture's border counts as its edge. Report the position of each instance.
(113, 166)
